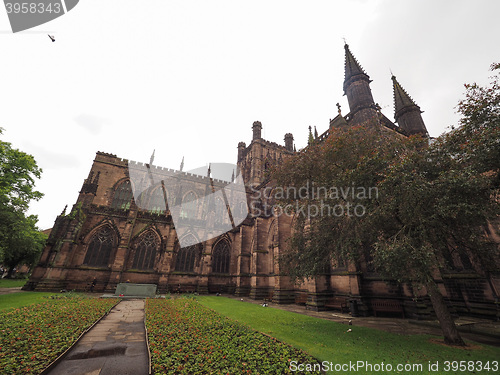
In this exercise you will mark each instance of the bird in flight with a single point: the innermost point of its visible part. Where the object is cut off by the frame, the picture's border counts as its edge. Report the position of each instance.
(52, 37)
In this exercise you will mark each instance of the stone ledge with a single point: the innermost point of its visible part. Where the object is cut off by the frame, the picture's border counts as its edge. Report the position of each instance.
(130, 290)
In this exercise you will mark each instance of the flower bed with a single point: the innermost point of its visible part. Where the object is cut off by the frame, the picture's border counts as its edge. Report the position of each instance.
(32, 337)
(188, 338)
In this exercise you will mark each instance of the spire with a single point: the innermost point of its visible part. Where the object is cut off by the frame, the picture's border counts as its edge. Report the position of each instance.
(315, 132)
(310, 139)
(182, 165)
(406, 112)
(352, 67)
(358, 92)
(209, 170)
(401, 97)
(152, 158)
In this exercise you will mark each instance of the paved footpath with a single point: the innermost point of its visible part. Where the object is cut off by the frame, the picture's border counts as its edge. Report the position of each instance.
(114, 346)
(10, 290)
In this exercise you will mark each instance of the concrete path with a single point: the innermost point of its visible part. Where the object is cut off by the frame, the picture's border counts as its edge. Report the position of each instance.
(10, 290)
(114, 346)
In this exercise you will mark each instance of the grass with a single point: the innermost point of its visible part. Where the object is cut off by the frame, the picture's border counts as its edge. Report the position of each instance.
(329, 341)
(21, 299)
(12, 283)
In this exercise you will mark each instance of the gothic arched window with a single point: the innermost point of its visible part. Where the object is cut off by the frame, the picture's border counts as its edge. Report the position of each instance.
(221, 257)
(189, 206)
(185, 259)
(123, 196)
(157, 203)
(219, 210)
(145, 252)
(99, 249)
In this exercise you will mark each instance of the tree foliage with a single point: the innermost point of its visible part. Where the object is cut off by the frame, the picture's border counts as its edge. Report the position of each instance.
(20, 240)
(334, 181)
(429, 207)
(23, 242)
(477, 141)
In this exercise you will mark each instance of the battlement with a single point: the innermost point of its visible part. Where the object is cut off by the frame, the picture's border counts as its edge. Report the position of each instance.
(174, 172)
(109, 158)
(267, 144)
(106, 154)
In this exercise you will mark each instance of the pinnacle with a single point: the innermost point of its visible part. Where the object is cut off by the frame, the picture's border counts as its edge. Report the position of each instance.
(401, 97)
(352, 66)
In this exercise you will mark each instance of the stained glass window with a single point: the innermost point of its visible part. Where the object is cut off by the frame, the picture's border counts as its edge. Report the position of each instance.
(185, 259)
(219, 210)
(221, 257)
(123, 196)
(157, 201)
(145, 253)
(99, 249)
(189, 206)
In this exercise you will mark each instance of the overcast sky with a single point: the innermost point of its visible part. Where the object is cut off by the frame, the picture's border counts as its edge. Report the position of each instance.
(188, 78)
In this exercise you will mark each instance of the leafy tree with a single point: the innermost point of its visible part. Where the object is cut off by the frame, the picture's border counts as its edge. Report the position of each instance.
(20, 240)
(432, 206)
(428, 202)
(24, 243)
(477, 141)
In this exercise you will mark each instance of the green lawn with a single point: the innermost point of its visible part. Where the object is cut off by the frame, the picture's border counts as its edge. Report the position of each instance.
(12, 283)
(16, 300)
(329, 341)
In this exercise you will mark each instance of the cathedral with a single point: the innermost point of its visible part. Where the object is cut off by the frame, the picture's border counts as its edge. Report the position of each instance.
(112, 235)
